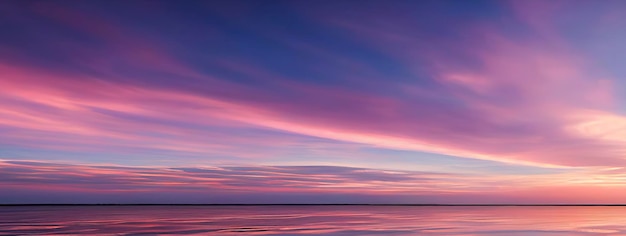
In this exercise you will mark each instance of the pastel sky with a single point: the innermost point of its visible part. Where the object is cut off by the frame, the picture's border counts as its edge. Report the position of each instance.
(111, 101)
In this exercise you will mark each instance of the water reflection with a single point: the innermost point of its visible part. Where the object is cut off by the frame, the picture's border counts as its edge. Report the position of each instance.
(328, 220)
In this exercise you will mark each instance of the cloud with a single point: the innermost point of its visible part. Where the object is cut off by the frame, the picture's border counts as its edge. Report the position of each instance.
(474, 90)
(53, 182)
(32, 174)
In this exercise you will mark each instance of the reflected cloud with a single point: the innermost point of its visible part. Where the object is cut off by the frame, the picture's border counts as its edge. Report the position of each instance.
(318, 220)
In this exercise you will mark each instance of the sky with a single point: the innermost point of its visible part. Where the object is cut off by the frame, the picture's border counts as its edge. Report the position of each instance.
(469, 102)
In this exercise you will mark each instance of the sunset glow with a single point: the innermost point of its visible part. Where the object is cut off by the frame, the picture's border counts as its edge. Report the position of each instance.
(517, 101)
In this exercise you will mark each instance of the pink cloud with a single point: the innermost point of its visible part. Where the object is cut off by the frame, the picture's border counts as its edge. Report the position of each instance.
(534, 102)
(285, 181)
(245, 179)
(536, 88)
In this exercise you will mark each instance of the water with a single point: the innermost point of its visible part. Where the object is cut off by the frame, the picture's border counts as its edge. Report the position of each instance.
(317, 220)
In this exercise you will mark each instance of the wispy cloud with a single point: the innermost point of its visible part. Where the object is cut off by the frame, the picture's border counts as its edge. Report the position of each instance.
(489, 96)
(494, 81)
(220, 184)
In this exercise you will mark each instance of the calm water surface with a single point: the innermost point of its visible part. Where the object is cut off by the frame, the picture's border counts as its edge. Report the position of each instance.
(317, 220)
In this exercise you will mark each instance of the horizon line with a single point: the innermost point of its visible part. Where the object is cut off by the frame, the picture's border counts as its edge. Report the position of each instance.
(289, 204)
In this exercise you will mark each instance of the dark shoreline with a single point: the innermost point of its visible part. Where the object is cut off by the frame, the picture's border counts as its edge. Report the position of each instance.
(338, 204)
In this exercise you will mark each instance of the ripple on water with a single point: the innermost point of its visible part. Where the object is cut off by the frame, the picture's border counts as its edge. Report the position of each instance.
(319, 220)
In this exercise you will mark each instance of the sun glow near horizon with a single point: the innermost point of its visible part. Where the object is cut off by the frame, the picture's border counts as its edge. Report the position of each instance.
(312, 102)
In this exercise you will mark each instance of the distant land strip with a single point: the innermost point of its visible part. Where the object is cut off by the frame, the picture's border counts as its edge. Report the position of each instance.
(303, 204)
